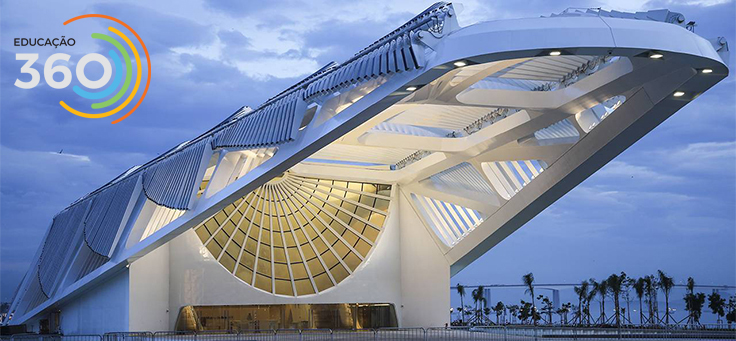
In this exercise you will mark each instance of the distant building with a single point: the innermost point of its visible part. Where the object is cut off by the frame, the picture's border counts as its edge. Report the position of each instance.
(349, 199)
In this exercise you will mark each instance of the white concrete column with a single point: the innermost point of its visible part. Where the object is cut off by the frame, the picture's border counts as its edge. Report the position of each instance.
(425, 273)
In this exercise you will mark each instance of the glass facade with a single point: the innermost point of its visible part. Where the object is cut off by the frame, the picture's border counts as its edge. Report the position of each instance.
(286, 316)
(297, 236)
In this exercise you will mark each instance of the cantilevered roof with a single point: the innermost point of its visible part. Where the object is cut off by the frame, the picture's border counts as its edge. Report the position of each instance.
(481, 126)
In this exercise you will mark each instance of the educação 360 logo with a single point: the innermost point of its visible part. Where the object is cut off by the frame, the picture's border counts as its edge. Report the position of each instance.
(114, 92)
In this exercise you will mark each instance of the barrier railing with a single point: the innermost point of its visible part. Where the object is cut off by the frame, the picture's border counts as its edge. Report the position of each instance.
(56, 337)
(128, 336)
(486, 333)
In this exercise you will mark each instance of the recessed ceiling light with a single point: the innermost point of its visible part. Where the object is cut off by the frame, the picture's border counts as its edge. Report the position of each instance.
(655, 55)
(555, 53)
(460, 63)
(707, 71)
(411, 88)
(678, 94)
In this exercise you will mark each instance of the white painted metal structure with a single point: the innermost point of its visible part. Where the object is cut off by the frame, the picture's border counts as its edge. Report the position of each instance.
(464, 134)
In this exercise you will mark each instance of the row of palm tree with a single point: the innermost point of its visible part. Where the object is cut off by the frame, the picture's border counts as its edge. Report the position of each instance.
(617, 287)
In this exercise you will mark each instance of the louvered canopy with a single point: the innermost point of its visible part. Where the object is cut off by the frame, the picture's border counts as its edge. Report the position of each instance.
(106, 214)
(396, 55)
(171, 181)
(270, 125)
(57, 244)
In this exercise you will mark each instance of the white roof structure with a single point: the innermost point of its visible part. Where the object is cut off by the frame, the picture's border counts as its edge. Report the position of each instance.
(474, 130)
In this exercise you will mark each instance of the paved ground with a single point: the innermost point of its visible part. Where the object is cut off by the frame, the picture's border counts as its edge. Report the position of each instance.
(468, 335)
(480, 334)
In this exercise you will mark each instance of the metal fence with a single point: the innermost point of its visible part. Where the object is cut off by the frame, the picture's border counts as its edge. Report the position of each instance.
(494, 333)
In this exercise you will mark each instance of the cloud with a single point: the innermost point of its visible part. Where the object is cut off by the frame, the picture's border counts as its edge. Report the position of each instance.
(706, 152)
(339, 40)
(49, 179)
(234, 38)
(163, 31)
(247, 8)
(620, 169)
(79, 158)
(204, 70)
(267, 68)
(700, 3)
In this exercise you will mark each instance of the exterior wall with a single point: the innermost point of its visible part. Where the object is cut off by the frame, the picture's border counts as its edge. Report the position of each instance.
(425, 273)
(198, 279)
(149, 291)
(102, 309)
(405, 268)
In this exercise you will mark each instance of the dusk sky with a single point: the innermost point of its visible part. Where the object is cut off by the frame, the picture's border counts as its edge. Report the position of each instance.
(668, 202)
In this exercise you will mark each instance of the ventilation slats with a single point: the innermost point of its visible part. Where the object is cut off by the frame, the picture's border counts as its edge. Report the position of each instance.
(270, 125)
(91, 262)
(32, 295)
(171, 181)
(58, 244)
(106, 214)
(382, 61)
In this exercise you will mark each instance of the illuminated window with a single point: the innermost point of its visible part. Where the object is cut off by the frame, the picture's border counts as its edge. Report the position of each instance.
(297, 236)
(250, 318)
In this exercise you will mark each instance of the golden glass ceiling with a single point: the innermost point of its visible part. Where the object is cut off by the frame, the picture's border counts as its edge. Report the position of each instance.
(300, 235)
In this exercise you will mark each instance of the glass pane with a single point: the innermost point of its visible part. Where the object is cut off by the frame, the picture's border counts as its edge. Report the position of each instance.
(287, 224)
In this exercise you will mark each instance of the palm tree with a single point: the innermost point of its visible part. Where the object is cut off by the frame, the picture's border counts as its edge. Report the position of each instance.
(582, 292)
(731, 310)
(563, 311)
(499, 309)
(717, 305)
(601, 288)
(528, 280)
(461, 291)
(547, 307)
(513, 309)
(693, 303)
(526, 311)
(615, 283)
(639, 287)
(627, 295)
(478, 298)
(655, 300)
(651, 293)
(666, 283)
(588, 300)
(689, 298)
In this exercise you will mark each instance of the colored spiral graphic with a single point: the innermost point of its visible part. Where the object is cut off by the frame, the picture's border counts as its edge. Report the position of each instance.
(126, 80)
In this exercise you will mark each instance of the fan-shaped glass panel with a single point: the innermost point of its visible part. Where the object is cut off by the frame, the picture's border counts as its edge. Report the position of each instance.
(297, 236)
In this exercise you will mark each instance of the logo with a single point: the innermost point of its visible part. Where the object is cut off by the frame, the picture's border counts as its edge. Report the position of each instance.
(109, 98)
